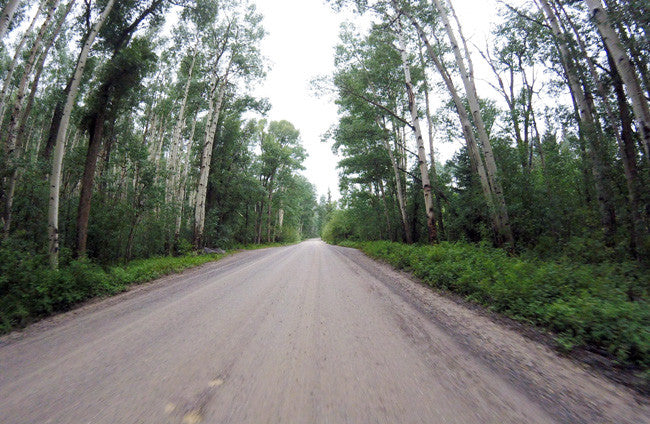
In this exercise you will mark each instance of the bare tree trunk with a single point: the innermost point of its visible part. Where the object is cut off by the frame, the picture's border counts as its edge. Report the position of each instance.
(432, 151)
(625, 70)
(87, 180)
(39, 70)
(59, 148)
(389, 228)
(7, 15)
(589, 126)
(401, 201)
(628, 154)
(14, 62)
(623, 137)
(178, 129)
(466, 125)
(422, 154)
(269, 206)
(12, 144)
(470, 90)
(206, 158)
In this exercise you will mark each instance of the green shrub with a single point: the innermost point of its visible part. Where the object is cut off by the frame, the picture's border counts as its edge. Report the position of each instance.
(601, 305)
(338, 228)
(30, 290)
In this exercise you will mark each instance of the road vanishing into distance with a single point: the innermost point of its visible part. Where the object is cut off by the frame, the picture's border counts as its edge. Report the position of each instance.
(308, 333)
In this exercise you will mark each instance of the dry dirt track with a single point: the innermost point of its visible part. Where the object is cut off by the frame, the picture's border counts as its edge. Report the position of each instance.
(301, 334)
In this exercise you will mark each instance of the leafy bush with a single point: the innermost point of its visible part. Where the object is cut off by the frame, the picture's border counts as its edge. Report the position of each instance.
(338, 228)
(604, 306)
(30, 290)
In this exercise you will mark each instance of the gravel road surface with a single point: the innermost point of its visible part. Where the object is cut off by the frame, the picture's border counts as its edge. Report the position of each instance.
(308, 333)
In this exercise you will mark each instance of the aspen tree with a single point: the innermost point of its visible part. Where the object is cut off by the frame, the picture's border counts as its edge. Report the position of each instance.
(7, 15)
(15, 117)
(6, 86)
(625, 70)
(467, 78)
(422, 156)
(588, 122)
(59, 147)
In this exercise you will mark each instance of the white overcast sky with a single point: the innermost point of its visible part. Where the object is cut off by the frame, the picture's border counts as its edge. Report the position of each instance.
(302, 35)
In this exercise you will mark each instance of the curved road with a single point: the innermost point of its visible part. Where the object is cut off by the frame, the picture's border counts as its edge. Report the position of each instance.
(302, 334)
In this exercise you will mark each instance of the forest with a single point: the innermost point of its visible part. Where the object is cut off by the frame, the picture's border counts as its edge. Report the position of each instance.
(554, 134)
(132, 142)
(543, 213)
(130, 131)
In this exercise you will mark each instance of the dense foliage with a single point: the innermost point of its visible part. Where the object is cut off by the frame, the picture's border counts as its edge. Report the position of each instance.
(603, 306)
(164, 101)
(553, 154)
(553, 117)
(129, 131)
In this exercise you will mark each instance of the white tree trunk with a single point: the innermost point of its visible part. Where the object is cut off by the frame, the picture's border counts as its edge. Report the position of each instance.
(59, 148)
(178, 129)
(14, 62)
(22, 86)
(466, 126)
(206, 158)
(589, 124)
(184, 177)
(475, 109)
(14, 120)
(422, 153)
(7, 15)
(626, 71)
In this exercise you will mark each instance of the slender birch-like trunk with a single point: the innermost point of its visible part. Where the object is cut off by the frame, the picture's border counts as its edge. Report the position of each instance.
(401, 201)
(59, 148)
(589, 126)
(12, 144)
(432, 152)
(623, 137)
(625, 70)
(206, 156)
(422, 154)
(182, 186)
(178, 129)
(7, 15)
(466, 126)
(467, 78)
(4, 95)
(39, 70)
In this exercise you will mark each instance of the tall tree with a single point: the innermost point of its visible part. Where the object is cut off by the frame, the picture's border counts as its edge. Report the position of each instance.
(59, 147)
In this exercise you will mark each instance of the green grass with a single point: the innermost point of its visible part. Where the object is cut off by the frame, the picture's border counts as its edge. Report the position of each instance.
(601, 306)
(29, 290)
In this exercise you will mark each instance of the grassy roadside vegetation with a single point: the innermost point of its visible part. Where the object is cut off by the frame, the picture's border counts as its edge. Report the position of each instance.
(30, 290)
(604, 307)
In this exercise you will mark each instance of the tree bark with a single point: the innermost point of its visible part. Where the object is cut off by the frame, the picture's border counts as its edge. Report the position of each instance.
(401, 200)
(432, 152)
(7, 15)
(470, 90)
(625, 70)
(59, 148)
(87, 180)
(12, 145)
(628, 155)
(39, 70)
(206, 157)
(422, 155)
(14, 62)
(589, 126)
(468, 133)
(178, 129)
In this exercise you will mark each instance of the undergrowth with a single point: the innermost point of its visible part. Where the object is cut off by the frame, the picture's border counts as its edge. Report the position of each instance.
(30, 290)
(604, 307)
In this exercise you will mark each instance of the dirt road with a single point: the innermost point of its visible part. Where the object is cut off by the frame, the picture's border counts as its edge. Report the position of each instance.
(301, 334)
